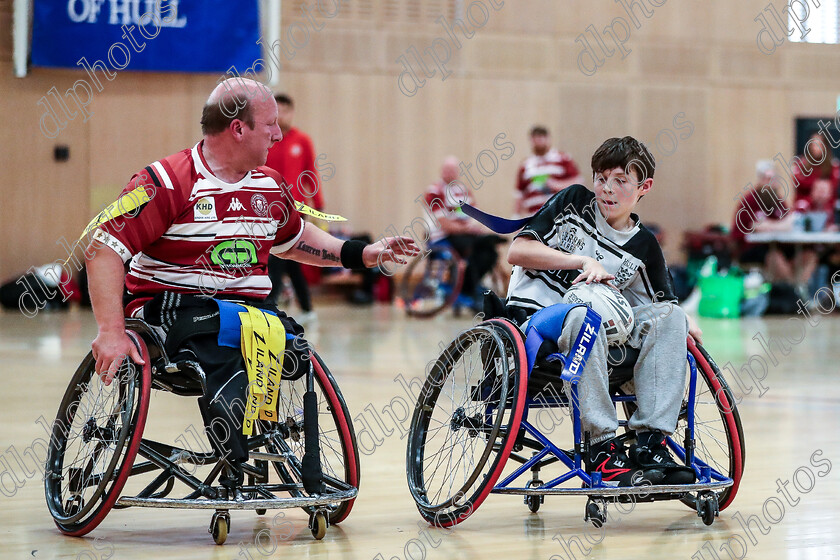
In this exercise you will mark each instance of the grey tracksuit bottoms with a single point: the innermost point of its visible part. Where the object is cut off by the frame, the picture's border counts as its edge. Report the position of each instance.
(659, 333)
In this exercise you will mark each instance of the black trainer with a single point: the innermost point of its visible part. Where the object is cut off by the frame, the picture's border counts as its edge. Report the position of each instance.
(651, 454)
(616, 468)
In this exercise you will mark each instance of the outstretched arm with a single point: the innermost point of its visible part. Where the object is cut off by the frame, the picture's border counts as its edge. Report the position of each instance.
(530, 253)
(319, 248)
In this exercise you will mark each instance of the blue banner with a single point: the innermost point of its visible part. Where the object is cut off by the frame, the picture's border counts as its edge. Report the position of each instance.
(106, 36)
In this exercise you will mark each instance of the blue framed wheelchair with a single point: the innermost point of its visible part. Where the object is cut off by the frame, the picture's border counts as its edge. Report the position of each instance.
(483, 408)
(99, 458)
(433, 281)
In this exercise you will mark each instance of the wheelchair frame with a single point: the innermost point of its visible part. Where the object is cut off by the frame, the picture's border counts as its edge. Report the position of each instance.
(331, 505)
(702, 495)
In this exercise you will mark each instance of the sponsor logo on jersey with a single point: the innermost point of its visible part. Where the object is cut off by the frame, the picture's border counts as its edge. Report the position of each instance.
(570, 241)
(259, 205)
(625, 273)
(235, 205)
(234, 253)
(205, 209)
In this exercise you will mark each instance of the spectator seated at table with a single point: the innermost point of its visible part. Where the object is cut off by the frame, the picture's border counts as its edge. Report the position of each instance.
(819, 206)
(816, 168)
(764, 209)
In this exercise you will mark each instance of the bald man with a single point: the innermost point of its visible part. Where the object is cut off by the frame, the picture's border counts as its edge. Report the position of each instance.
(470, 239)
(207, 219)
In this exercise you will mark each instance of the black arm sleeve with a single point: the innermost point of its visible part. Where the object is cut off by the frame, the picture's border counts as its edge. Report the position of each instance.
(660, 278)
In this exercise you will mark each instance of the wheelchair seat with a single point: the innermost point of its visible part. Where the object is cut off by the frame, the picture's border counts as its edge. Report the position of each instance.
(545, 377)
(182, 377)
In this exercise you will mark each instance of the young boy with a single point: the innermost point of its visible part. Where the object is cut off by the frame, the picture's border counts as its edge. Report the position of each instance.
(579, 236)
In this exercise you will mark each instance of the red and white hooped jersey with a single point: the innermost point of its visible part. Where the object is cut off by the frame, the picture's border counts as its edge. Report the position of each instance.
(199, 234)
(535, 171)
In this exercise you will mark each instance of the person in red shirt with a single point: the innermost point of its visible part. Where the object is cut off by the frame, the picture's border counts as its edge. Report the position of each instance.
(816, 166)
(197, 228)
(471, 240)
(294, 158)
(541, 175)
(763, 208)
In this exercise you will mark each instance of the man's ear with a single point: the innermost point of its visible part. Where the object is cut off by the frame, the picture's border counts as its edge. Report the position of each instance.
(235, 128)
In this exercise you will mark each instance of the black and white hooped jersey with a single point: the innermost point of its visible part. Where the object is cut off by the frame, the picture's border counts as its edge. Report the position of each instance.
(571, 222)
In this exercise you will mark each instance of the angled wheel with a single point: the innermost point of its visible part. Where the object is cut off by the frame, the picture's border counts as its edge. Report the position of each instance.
(718, 436)
(94, 441)
(466, 421)
(432, 282)
(339, 454)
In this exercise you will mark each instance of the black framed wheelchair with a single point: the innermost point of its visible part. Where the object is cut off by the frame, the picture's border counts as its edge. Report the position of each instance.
(98, 444)
(433, 281)
(478, 416)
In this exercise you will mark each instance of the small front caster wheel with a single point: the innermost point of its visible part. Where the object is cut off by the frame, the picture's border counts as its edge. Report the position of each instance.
(595, 514)
(318, 525)
(219, 527)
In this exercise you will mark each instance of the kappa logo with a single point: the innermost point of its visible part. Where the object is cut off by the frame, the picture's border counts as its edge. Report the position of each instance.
(235, 205)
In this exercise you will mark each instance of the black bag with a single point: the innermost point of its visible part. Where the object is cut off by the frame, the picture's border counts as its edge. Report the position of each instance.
(783, 300)
(35, 296)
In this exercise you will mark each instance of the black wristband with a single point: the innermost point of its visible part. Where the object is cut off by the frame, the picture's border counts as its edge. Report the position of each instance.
(351, 254)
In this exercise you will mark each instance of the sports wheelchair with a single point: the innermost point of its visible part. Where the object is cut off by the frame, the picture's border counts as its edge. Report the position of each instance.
(473, 412)
(98, 435)
(433, 281)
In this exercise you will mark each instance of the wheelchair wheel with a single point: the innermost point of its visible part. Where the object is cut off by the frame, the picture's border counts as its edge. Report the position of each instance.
(466, 422)
(95, 438)
(439, 276)
(339, 454)
(718, 435)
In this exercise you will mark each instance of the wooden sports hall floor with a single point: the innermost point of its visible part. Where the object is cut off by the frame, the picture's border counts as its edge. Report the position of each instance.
(793, 428)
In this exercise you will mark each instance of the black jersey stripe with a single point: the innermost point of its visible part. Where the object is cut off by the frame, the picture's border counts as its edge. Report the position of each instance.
(524, 302)
(154, 177)
(646, 283)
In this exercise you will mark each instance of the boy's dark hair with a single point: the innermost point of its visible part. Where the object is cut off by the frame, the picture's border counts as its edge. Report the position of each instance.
(626, 153)
(539, 130)
(284, 99)
(216, 119)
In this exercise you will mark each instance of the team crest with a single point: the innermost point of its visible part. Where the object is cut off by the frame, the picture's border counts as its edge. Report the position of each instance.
(259, 204)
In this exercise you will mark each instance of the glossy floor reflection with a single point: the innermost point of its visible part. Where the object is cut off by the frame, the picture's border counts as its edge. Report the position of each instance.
(791, 425)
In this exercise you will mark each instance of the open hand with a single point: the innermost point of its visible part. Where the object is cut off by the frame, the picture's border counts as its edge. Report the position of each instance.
(390, 249)
(593, 271)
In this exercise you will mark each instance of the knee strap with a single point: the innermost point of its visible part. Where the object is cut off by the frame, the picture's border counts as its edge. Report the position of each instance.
(547, 324)
(262, 339)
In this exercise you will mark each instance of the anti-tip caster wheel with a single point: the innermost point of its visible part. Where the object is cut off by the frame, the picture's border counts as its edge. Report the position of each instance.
(707, 507)
(220, 526)
(533, 501)
(318, 525)
(595, 513)
(261, 512)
